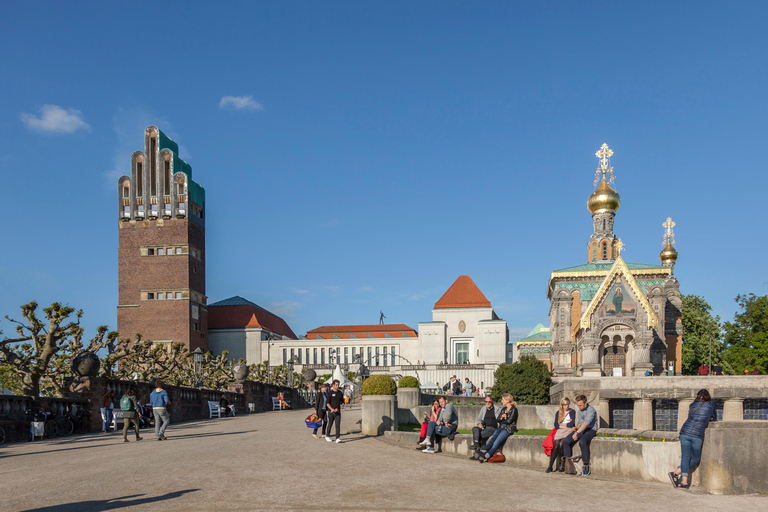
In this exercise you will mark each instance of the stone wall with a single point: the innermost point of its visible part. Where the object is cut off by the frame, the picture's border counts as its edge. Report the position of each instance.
(733, 458)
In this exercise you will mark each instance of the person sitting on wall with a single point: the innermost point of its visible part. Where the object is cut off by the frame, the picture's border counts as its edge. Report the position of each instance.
(445, 426)
(565, 421)
(586, 421)
(432, 416)
(487, 422)
(507, 427)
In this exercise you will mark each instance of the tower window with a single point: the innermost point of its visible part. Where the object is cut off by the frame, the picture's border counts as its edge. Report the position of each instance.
(150, 252)
(152, 165)
(139, 178)
(605, 250)
(603, 224)
(167, 176)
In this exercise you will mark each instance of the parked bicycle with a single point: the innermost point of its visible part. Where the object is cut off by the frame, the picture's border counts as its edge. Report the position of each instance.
(61, 426)
(82, 420)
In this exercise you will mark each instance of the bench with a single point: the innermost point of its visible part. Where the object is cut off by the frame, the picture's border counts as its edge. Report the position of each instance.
(117, 416)
(214, 409)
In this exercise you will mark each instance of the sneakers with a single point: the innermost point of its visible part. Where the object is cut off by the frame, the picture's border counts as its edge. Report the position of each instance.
(675, 479)
(427, 442)
(586, 471)
(338, 441)
(428, 449)
(160, 439)
(328, 439)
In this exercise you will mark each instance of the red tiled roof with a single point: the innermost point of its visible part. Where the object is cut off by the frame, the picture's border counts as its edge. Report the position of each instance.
(247, 316)
(362, 331)
(463, 293)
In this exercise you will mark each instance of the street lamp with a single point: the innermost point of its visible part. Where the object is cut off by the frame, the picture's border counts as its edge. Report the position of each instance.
(198, 357)
(331, 352)
(270, 343)
(289, 366)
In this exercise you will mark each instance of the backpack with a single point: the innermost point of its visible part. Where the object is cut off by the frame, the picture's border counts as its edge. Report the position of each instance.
(126, 404)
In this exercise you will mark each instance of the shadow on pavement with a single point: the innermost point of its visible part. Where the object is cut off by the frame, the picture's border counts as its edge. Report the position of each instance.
(209, 434)
(110, 504)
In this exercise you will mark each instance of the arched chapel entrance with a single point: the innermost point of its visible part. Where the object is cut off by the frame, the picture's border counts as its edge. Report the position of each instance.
(615, 348)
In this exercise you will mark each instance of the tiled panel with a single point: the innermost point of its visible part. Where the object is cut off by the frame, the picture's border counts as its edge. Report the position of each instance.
(622, 413)
(756, 409)
(665, 415)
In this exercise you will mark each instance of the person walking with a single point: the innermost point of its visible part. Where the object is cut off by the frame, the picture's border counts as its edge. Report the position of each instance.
(107, 410)
(159, 400)
(320, 402)
(130, 409)
(334, 406)
(700, 413)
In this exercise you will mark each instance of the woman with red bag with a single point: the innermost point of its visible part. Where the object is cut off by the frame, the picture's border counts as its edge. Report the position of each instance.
(565, 421)
(432, 416)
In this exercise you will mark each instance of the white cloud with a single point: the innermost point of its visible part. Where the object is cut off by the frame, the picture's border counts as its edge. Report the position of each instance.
(240, 103)
(54, 119)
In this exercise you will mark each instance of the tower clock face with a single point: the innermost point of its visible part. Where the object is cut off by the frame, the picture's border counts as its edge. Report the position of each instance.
(462, 326)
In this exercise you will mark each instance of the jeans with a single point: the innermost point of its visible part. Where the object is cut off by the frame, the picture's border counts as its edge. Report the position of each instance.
(496, 441)
(431, 430)
(584, 439)
(478, 435)
(161, 416)
(334, 416)
(106, 419)
(691, 453)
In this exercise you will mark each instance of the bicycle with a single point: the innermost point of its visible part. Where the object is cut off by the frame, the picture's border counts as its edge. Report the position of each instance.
(82, 420)
(61, 426)
(2, 435)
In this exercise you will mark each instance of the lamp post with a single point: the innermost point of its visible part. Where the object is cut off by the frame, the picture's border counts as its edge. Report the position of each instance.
(198, 357)
(289, 367)
(331, 352)
(270, 343)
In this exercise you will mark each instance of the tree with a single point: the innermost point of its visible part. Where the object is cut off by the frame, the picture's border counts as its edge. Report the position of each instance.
(698, 326)
(527, 380)
(41, 352)
(746, 337)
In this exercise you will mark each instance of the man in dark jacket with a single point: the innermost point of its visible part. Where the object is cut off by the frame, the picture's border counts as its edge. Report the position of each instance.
(453, 387)
(487, 422)
(334, 405)
(320, 401)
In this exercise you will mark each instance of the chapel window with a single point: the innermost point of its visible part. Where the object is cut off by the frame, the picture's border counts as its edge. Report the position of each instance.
(605, 250)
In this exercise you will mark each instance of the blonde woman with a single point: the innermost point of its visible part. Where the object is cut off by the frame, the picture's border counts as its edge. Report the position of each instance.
(507, 426)
(565, 421)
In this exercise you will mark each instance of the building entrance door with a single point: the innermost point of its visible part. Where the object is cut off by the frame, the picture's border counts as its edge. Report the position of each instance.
(613, 357)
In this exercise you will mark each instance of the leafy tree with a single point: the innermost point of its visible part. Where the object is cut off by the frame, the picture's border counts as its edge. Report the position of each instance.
(277, 375)
(9, 379)
(698, 326)
(747, 336)
(527, 380)
(41, 352)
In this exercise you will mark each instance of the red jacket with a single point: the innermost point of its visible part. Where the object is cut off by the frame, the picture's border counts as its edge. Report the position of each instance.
(549, 442)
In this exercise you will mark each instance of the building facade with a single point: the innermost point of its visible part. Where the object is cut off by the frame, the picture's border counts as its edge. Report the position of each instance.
(609, 317)
(161, 254)
(465, 338)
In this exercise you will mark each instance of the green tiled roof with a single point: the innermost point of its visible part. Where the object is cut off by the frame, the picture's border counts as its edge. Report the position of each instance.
(539, 333)
(605, 266)
(196, 192)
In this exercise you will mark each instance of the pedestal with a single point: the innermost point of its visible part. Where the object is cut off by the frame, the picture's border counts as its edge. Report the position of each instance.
(643, 414)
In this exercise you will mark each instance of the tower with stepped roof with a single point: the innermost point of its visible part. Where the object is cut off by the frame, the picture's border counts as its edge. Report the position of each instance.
(161, 254)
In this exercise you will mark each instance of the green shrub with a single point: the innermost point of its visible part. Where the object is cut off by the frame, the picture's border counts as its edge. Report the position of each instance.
(379, 385)
(408, 382)
(527, 381)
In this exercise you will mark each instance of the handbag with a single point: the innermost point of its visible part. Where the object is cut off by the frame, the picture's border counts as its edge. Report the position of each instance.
(497, 458)
(573, 465)
(443, 430)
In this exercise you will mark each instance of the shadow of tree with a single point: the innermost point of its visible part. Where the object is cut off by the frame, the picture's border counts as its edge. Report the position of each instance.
(109, 504)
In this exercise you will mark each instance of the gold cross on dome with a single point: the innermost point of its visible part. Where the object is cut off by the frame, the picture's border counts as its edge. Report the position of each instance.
(604, 154)
(669, 236)
(619, 247)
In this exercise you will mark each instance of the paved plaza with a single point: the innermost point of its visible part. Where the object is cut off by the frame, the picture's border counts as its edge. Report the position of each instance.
(270, 461)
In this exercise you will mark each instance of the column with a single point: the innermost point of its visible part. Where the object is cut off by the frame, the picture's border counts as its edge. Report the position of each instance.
(605, 413)
(733, 409)
(642, 357)
(643, 414)
(683, 405)
(591, 361)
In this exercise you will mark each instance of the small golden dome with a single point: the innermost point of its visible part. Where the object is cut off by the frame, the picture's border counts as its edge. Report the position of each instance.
(668, 254)
(604, 198)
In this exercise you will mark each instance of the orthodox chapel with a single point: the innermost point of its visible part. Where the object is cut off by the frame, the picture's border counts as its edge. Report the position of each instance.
(609, 317)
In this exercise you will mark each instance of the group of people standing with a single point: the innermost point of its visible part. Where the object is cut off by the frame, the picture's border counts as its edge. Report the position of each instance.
(133, 411)
(329, 403)
(455, 387)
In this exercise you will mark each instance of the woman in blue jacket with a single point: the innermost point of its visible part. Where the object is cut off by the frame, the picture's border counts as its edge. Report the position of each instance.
(700, 413)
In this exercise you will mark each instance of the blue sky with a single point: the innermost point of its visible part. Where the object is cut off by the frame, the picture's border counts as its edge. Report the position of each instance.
(360, 156)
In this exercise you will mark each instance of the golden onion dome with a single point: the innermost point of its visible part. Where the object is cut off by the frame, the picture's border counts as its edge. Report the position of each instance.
(604, 198)
(668, 254)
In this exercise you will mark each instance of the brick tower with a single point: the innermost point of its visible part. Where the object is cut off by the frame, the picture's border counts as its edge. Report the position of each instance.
(161, 258)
